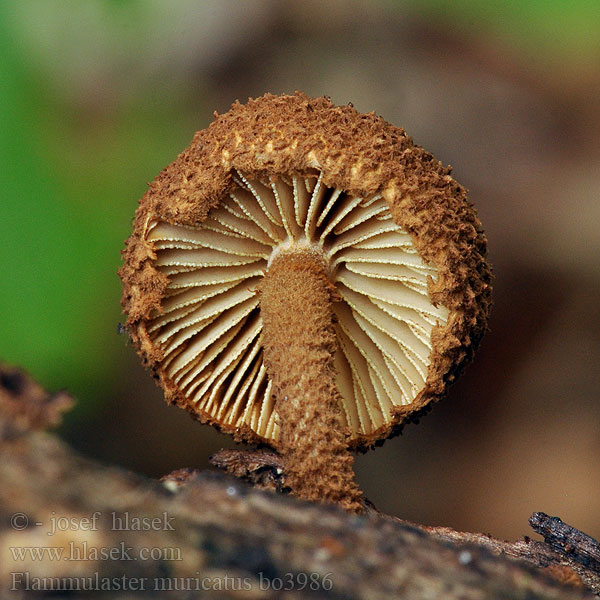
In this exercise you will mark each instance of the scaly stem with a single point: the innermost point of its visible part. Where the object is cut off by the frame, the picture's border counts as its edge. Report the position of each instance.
(299, 343)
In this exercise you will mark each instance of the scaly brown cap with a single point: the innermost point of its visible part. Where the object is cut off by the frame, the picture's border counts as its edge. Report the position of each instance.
(400, 243)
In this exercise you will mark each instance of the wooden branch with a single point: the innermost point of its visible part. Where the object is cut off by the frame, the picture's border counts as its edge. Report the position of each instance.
(564, 568)
(568, 555)
(68, 521)
(567, 540)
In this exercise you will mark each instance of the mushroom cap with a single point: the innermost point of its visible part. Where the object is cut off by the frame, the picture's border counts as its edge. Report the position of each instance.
(401, 243)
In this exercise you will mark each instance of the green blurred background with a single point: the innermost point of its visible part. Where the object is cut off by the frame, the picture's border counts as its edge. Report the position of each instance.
(97, 96)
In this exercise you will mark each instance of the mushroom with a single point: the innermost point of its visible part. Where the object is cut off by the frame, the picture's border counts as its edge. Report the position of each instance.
(304, 276)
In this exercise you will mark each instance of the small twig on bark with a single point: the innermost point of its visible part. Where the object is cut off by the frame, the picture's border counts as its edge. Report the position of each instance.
(567, 540)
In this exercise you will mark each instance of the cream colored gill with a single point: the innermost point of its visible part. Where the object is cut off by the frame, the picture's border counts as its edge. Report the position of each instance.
(209, 328)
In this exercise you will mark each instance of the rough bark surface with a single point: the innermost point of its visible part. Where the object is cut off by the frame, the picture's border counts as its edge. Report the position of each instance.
(221, 537)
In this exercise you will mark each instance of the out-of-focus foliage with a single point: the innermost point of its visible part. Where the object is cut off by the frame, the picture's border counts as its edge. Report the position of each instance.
(549, 30)
(72, 171)
(77, 151)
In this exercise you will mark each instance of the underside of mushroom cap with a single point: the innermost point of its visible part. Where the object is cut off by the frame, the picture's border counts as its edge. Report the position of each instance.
(402, 245)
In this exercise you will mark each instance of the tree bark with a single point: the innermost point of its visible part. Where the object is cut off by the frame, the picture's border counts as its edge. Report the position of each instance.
(208, 532)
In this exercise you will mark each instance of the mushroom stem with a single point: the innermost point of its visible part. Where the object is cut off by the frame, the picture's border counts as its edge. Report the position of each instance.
(299, 344)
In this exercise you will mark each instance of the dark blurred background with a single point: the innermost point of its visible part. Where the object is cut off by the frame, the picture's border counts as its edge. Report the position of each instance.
(97, 96)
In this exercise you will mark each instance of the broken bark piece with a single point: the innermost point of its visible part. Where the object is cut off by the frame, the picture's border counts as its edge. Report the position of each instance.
(567, 540)
(26, 406)
(261, 468)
